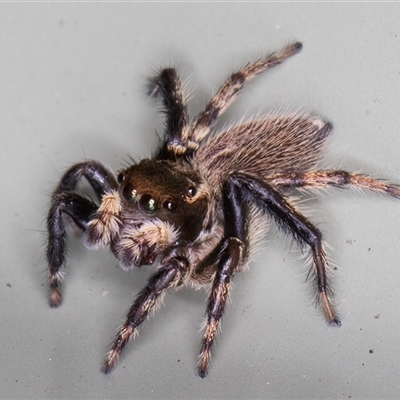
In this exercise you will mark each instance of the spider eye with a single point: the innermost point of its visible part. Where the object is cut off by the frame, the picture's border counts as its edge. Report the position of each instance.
(147, 203)
(121, 177)
(169, 205)
(192, 191)
(129, 193)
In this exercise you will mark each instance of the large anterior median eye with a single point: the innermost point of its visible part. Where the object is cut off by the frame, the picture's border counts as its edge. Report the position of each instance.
(129, 193)
(147, 203)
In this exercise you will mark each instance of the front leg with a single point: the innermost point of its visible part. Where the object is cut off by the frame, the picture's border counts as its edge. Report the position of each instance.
(170, 275)
(78, 209)
(66, 207)
(100, 178)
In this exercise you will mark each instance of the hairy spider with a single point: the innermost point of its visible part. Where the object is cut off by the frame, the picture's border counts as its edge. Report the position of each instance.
(197, 206)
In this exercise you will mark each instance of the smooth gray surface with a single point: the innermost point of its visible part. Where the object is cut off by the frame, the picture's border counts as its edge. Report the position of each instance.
(73, 85)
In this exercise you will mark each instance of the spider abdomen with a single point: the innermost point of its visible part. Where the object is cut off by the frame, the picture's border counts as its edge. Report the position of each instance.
(277, 143)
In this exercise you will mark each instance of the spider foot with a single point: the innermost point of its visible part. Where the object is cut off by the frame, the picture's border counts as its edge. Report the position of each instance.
(288, 51)
(335, 323)
(203, 360)
(202, 364)
(110, 361)
(106, 369)
(55, 297)
(297, 46)
(55, 280)
(202, 373)
(122, 338)
(329, 311)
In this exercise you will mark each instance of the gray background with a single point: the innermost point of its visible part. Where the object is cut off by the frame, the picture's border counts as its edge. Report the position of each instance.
(73, 86)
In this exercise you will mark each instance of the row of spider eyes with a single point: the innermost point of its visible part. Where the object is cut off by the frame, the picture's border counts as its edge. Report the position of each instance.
(147, 203)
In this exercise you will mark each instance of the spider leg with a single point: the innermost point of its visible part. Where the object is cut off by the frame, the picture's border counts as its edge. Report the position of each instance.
(229, 259)
(168, 87)
(79, 209)
(291, 220)
(227, 92)
(338, 178)
(170, 275)
(101, 179)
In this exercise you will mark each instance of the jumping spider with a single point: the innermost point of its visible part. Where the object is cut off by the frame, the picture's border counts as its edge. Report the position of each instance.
(197, 207)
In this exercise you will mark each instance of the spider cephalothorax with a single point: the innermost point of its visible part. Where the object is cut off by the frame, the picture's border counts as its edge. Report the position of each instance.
(168, 206)
(199, 205)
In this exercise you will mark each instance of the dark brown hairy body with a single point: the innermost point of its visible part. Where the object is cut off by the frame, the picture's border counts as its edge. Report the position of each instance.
(198, 207)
